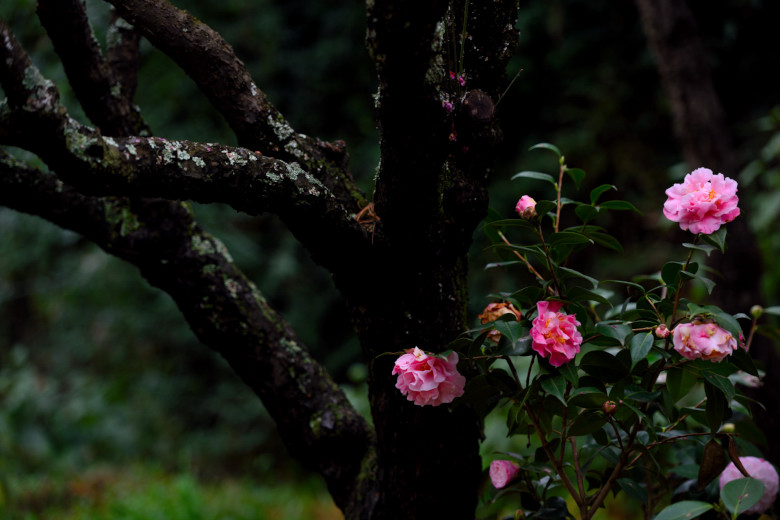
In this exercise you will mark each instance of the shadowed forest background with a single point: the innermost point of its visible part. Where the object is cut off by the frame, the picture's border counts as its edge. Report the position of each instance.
(101, 380)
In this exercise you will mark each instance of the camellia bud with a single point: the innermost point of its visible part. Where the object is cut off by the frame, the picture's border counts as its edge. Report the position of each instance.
(662, 331)
(526, 207)
(728, 427)
(756, 311)
(609, 407)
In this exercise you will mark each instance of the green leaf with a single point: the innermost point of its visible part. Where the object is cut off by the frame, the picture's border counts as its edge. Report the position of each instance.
(536, 175)
(596, 192)
(587, 423)
(579, 294)
(717, 239)
(708, 284)
(679, 382)
(619, 205)
(576, 175)
(618, 331)
(547, 146)
(569, 237)
(723, 384)
(572, 272)
(511, 222)
(603, 365)
(493, 265)
(717, 407)
(685, 510)
(569, 371)
(741, 494)
(700, 247)
(633, 489)
(640, 347)
(586, 212)
(774, 310)
(606, 240)
(543, 207)
(743, 361)
(555, 386)
(670, 272)
(587, 397)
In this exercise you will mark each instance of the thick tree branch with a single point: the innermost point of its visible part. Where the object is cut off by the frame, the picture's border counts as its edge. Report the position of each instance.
(210, 61)
(123, 53)
(98, 90)
(225, 311)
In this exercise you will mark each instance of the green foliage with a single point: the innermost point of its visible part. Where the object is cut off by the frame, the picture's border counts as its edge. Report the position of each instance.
(628, 411)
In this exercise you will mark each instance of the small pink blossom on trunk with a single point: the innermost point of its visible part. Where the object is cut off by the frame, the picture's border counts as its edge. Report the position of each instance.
(427, 379)
(555, 333)
(703, 340)
(502, 472)
(758, 469)
(526, 207)
(703, 202)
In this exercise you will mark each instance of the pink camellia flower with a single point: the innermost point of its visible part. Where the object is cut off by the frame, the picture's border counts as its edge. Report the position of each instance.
(703, 339)
(703, 202)
(494, 311)
(758, 469)
(502, 472)
(555, 333)
(427, 379)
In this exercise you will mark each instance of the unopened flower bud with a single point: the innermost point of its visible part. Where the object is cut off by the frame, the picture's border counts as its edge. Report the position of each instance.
(609, 407)
(756, 311)
(662, 331)
(526, 207)
(728, 427)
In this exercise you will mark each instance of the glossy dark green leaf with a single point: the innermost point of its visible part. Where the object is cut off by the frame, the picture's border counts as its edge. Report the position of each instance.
(619, 205)
(618, 331)
(603, 365)
(685, 510)
(741, 494)
(742, 360)
(774, 310)
(633, 489)
(717, 239)
(723, 384)
(568, 237)
(700, 247)
(547, 146)
(555, 386)
(586, 212)
(581, 294)
(679, 382)
(536, 175)
(565, 272)
(606, 240)
(596, 192)
(545, 206)
(576, 175)
(587, 423)
(717, 407)
(640, 347)
(587, 397)
(569, 371)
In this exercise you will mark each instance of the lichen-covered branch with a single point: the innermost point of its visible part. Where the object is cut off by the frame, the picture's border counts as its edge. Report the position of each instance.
(211, 63)
(99, 91)
(223, 308)
(149, 167)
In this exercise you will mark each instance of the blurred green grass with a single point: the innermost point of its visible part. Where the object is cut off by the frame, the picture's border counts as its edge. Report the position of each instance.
(140, 492)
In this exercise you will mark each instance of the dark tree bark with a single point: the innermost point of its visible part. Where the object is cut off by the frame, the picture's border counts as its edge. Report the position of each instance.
(402, 273)
(699, 123)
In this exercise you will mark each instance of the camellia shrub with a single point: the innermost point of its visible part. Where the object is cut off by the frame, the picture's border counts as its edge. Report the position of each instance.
(612, 385)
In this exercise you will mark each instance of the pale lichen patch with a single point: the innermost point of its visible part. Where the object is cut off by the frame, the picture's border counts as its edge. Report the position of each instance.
(202, 246)
(198, 162)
